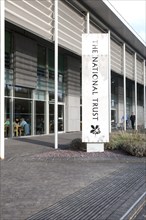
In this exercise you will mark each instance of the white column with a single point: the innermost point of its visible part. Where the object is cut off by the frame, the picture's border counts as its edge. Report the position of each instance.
(56, 75)
(88, 23)
(46, 110)
(33, 113)
(2, 73)
(109, 82)
(12, 110)
(135, 73)
(47, 113)
(144, 95)
(124, 74)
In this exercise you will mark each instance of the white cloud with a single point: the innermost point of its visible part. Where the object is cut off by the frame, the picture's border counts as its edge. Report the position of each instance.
(134, 12)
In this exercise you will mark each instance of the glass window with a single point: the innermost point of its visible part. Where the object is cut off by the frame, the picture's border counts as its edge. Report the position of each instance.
(40, 95)
(7, 90)
(61, 61)
(51, 60)
(51, 81)
(8, 49)
(8, 76)
(7, 117)
(60, 117)
(114, 90)
(22, 109)
(140, 95)
(61, 81)
(41, 61)
(22, 92)
(61, 88)
(51, 96)
(129, 86)
(51, 118)
(39, 128)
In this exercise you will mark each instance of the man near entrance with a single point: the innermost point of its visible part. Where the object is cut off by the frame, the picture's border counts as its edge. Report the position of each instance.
(132, 119)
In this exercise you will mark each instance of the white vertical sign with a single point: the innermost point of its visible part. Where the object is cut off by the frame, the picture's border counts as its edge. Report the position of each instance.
(95, 88)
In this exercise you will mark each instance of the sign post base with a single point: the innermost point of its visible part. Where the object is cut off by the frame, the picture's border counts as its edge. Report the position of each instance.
(95, 147)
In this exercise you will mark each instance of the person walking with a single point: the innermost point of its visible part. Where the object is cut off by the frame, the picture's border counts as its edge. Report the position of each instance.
(132, 119)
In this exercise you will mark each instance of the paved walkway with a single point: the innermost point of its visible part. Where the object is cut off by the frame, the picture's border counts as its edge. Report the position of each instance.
(38, 182)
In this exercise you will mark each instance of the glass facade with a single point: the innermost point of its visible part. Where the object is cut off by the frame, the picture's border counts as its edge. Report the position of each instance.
(41, 61)
(114, 100)
(129, 97)
(60, 118)
(140, 94)
(30, 106)
(39, 117)
(8, 50)
(34, 105)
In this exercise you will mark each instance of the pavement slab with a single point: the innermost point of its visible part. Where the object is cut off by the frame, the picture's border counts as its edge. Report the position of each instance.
(38, 182)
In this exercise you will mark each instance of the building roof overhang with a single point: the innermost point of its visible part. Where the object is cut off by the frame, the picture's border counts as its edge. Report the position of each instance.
(114, 23)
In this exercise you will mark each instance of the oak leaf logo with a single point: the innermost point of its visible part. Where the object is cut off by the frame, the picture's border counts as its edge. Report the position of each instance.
(95, 129)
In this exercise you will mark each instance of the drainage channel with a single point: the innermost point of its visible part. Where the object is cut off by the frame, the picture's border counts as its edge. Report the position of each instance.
(99, 200)
(135, 208)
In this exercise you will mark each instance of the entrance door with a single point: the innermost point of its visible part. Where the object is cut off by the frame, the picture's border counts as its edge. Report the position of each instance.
(113, 119)
(60, 118)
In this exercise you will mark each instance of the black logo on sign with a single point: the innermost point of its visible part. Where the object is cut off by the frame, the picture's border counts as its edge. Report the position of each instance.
(95, 129)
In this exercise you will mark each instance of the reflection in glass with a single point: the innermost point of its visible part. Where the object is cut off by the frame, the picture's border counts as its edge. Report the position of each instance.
(7, 122)
(7, 90)
(39, 128)
(22, 92)
(61, 81)
(51, 96)
(51, 118)
(40, 95)
(8, 49)
(60, 118)
(22, 109)
(41, 61)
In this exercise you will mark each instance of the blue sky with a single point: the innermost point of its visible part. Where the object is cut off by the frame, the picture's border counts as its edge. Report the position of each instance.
(133, 12)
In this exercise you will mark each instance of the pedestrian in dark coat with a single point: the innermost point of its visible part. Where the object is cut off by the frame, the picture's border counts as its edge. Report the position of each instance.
(132, 119)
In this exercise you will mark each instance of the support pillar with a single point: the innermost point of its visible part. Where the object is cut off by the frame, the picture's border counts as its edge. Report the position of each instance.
(2, 73)
(124, 73)
(144, 94)
(135, 73)
(56, 75)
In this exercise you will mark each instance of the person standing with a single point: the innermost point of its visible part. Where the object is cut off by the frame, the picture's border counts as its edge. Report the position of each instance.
(25, 126)
(132, 119)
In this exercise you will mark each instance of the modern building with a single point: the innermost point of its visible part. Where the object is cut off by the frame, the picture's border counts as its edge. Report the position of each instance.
(30, 71)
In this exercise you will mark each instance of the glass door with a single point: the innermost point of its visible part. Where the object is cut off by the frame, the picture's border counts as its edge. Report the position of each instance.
(60, 118)
(39, 128)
